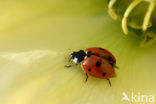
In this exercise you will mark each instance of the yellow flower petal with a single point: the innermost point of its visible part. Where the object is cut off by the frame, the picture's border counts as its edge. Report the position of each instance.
(34, 43)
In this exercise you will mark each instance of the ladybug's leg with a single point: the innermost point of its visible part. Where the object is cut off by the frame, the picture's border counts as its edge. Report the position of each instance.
(109, 82)
(86, 77)
(68, 66)
(114, 65)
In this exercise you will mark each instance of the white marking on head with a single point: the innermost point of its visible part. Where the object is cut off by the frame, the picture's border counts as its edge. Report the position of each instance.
(75, 60)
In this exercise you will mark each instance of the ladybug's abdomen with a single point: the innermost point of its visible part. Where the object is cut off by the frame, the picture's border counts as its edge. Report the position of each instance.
(97, 67)
(102, 53)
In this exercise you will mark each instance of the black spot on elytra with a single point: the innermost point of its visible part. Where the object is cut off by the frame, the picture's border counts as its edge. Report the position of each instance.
(101, 48)
(89, 69)
(104, 74)
(98, 63)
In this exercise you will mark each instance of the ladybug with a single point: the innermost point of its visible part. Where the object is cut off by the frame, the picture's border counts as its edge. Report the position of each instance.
(96, 61)
(103, 53)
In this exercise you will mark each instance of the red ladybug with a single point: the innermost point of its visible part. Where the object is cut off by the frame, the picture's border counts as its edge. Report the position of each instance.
(97, 62)
(103, 53)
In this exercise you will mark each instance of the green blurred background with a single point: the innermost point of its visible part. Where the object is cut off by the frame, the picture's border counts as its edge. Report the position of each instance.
(35, 38)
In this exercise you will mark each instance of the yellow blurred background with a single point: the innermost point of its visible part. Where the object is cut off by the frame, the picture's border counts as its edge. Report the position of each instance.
(35, 38)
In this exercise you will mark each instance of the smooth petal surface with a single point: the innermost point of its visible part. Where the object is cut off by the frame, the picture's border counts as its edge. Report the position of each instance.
(34, 40)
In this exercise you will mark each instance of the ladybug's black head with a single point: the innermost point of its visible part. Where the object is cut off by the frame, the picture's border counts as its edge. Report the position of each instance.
(77, 57)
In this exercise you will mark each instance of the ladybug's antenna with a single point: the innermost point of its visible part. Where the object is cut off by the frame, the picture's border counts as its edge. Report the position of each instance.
(69, 60)
(67, 51)
(109, 82)
(69, 57)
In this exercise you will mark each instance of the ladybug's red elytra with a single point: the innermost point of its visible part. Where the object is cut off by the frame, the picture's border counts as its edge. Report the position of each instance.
(96, 61)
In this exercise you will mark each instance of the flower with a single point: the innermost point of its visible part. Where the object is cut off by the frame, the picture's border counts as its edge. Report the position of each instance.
(138, 15)
(35, 38)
